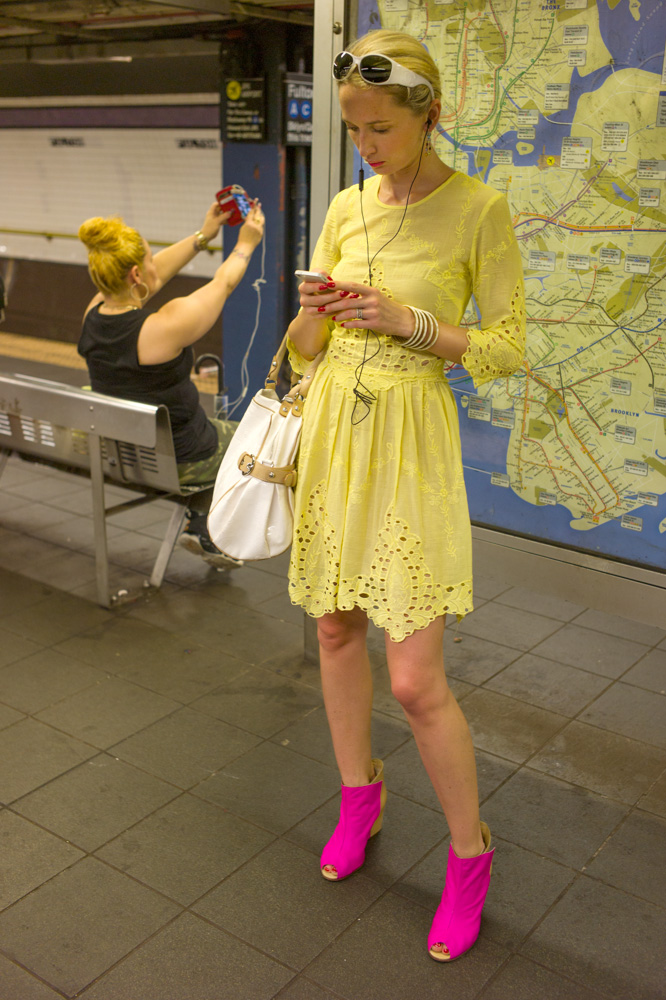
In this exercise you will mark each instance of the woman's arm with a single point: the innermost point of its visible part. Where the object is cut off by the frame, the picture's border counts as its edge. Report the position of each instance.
(171, 260)
(183, 321)
(343, 299)
(494, 350)
(308, 331)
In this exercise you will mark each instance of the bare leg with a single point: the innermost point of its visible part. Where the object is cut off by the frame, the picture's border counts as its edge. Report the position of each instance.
(347, 686)
(441, 732)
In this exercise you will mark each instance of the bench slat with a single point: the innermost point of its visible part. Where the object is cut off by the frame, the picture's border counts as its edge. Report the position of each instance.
(79, 409)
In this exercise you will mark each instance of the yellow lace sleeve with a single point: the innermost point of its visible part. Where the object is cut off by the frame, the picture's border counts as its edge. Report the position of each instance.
(298, 362)
(497, 348)
(327, 251)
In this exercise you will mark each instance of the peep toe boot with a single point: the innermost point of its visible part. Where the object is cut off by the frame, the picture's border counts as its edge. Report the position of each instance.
(458, 917)
(361, 817)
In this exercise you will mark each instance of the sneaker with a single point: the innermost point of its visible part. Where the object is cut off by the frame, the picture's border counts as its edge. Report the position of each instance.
(195, 539)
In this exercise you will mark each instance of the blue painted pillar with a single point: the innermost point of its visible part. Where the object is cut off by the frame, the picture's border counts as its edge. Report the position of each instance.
(260, 169)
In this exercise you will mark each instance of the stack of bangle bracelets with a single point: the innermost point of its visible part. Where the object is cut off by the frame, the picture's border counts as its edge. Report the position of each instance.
(426, 330)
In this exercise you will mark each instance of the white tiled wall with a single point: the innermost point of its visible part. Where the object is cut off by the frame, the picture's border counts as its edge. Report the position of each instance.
(159, 185)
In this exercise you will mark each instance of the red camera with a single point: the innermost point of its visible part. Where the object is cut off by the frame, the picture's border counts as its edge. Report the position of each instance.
(236, 200)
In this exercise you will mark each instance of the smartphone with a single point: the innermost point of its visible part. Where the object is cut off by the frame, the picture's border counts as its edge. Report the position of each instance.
(236, 200)
(317, 276)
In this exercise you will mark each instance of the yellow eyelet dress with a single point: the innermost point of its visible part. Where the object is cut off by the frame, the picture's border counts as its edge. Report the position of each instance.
(381, 518)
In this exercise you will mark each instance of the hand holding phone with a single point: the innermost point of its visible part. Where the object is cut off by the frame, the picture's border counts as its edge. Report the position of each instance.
(236, 200)
(314, 276)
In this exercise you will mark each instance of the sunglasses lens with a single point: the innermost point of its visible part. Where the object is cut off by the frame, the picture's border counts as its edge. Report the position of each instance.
(375, 68)
(342, 64)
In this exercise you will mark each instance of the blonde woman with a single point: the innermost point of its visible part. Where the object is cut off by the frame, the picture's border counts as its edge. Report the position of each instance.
(147, 356)
(382, 527)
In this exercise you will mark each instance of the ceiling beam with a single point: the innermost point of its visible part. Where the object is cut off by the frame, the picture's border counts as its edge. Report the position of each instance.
(49, 27)
(236, 10)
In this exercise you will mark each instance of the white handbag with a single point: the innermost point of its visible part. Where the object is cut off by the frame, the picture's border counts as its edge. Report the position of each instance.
(252, 511)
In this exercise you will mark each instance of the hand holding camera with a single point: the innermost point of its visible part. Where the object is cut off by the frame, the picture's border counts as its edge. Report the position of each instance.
(235, 200)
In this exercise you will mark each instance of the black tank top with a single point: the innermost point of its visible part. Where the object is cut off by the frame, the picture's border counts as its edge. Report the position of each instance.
(109, 345)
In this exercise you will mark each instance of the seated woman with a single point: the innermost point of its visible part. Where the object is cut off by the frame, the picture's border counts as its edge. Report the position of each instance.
(147, 356)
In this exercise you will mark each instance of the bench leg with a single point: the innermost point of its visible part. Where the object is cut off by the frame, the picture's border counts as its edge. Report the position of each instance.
(172, 533)
(99, 520)
(4, 458)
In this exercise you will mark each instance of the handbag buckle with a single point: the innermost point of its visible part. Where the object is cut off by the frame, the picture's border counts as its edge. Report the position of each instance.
(246, 464)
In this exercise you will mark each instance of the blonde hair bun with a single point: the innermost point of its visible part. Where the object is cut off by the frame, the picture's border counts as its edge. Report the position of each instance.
(113, 249)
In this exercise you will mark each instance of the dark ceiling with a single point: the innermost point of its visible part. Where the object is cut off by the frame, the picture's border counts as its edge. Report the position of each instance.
(50, 30)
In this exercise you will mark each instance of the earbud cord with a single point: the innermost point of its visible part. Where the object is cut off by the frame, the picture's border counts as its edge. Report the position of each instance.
(362, 393)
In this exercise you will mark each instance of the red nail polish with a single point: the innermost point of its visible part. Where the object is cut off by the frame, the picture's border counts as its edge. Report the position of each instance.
(342, 294)
(355, 295)
(321, 309)
(322, 288)
(331, 284)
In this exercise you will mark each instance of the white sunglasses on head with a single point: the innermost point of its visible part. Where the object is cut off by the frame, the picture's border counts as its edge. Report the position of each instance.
(378, 70)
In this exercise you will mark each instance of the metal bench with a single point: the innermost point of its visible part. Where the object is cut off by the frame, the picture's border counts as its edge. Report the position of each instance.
(106, 439)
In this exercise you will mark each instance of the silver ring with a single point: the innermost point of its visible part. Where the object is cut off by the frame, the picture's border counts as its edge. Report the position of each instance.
(359, 314)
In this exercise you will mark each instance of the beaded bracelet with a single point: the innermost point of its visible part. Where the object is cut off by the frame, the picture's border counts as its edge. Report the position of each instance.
(426, 330)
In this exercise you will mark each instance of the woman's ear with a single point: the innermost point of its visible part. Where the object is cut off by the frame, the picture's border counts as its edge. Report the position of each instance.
(434, 111)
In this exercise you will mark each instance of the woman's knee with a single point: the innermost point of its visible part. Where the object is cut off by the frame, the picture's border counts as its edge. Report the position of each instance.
(339, 628)
(419, 693)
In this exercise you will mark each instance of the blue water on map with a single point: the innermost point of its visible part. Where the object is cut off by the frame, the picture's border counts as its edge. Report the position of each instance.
(620, 193)
(548, 133)
(485, 447)
(634, 43)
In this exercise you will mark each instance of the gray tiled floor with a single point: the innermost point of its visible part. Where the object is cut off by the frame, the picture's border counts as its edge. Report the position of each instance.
(168, 782)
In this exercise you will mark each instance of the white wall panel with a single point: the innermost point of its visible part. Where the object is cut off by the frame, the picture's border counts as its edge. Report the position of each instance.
(160, 181)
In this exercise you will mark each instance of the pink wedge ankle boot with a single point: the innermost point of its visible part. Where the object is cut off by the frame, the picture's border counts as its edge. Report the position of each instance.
(361, 817)
(458, 917)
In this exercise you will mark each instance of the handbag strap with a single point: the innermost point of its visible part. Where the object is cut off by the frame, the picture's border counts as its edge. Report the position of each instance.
(284, 475)
(295, 398)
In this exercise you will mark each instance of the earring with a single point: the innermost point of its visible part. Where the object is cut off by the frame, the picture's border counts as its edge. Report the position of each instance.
(140, 296)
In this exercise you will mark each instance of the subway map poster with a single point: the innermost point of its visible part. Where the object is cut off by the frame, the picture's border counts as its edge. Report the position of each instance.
(561, 105)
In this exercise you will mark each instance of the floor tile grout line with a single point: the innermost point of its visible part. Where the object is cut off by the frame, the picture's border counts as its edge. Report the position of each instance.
(123, 958)
(573, 718)
(572, 666)
(33, 713)
(185, 907)
(617, 888)
(612, 635)
(574, 784)
(88, 852)
(598, 994)
(373, 903)
(647, 792)
(324, 989)
(33, 975)
(577, 876)
(614, 732)
(11, 806)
